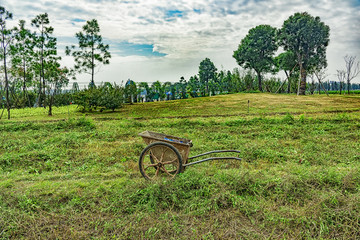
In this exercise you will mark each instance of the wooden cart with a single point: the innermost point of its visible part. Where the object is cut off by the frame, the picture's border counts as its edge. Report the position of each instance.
(167, 155)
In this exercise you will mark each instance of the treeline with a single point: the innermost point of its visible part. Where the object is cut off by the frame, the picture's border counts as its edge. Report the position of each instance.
(223, 82)
(31, 73)
(32, 76)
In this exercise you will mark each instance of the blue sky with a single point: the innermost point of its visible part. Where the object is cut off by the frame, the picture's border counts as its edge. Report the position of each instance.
(130, 49)
(163, 40)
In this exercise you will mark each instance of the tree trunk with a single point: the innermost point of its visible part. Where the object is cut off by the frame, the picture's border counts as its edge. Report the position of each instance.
(6, 84)
(289, 82)
(259, 80)
(302, 88)
(207, 88)
(40, 90)
(42, 73)
(92, 65)
(51, 99)
(50, 108)
(2, 113)
(340, 87)
(24, 85)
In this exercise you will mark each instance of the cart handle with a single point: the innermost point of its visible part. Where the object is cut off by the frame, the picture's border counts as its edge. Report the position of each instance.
(216, 151)
(211, 158)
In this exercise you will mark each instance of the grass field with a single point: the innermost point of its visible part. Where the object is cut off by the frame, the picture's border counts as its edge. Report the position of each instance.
(75, 176)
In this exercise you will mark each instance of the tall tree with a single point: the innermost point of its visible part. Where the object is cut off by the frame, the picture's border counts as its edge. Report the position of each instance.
(207, 73)
(183, 85)
(308, 38)
(46, 50)
(6, 38)
(92, 51)
(22, 52)
(256, 50)
(352, 69)
(193, 86)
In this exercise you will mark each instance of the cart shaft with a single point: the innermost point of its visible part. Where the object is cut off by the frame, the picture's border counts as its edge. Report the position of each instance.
(216, 151)
(212, 158)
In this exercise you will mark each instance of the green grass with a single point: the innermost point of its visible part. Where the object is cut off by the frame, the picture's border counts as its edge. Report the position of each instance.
(76, 176)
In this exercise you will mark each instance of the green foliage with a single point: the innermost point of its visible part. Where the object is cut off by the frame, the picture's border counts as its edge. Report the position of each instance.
(92, 51)
(307, 37)
(22, 54)
(111, 97)
(45, 54)
(207, 74)
(255, 51)
(106, 96)
(130, 91)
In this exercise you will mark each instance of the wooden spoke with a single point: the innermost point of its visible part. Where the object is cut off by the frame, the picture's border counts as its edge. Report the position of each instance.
(172, 175)
(170, 162)
(151, 165)
(160, 159)
(155, 158)
(163, 154)
(157, 172)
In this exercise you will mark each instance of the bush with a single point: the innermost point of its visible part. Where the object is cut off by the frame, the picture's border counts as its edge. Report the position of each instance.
(63, 99)
(106, 96)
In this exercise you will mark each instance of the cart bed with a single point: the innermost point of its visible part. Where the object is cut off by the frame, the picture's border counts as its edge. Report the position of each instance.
(181, 144)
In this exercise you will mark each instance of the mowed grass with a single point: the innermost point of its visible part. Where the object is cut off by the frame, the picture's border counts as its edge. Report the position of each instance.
(76, 176)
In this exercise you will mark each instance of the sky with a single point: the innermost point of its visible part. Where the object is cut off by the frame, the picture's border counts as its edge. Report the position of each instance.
(164, 40)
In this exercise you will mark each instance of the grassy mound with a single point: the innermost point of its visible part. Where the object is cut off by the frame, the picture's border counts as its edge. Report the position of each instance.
(76, 176)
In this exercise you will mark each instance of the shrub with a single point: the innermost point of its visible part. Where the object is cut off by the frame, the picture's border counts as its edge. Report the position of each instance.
(106, 96)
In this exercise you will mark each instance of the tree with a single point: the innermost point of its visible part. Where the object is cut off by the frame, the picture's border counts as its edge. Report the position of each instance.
(183, 84)
(207, 73)
(308, 38)
(144, 91)
(46, 50)
(158, 89)
(352, 69)
(130, 91)
(169, 89)
(236, 81)
(22, 53)
(193, 86)
(6, 38)
(321, 75)
(286, 61)
(341, 74)
(92, 51)
(56, 79)
(256, 50)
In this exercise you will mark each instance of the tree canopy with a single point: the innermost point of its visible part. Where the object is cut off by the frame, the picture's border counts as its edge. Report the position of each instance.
(92, 51)
(207, 73)
(256, 50)
(308, 38)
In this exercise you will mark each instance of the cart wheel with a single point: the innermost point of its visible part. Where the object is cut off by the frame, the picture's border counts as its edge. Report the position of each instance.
(160, 159)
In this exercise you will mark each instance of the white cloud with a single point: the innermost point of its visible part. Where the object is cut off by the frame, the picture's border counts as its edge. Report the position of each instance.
(207, 28)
